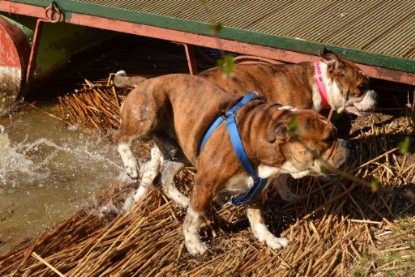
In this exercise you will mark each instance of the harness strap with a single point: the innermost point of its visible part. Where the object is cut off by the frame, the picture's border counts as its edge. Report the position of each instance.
(259, 183)
(245, 100)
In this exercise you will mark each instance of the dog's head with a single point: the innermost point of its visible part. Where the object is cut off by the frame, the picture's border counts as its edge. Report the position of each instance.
(353, 95)
(308, 142)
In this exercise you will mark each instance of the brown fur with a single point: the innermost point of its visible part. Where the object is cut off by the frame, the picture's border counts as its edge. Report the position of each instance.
(182, 107)
(290, 84)
(160, 107)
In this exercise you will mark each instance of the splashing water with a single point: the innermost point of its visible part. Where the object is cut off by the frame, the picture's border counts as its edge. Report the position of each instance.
(46, 172)
(14, 163)
(32, 161)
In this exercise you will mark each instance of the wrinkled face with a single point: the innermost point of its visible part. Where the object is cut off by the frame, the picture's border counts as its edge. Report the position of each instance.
(353, 84)
(358, 98)
(312, 142)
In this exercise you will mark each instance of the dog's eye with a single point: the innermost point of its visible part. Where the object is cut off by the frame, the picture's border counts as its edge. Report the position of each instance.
(363, 87)
(329, 140)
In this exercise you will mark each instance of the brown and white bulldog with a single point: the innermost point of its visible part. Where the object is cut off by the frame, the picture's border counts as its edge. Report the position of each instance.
(332, 82)
(178, 109)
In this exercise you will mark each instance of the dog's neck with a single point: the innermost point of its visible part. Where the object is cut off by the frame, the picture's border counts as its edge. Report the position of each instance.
(326, 92)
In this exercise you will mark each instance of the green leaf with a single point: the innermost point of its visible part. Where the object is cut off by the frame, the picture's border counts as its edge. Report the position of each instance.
(215, 29)
(292, 127)
(374, 186)
(323, 167)
(226, 65)
(404, 146)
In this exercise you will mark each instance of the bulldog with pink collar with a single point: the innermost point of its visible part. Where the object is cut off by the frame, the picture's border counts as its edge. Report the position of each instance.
(333, 82)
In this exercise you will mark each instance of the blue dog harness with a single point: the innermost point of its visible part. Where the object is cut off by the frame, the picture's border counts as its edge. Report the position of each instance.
(259, 183)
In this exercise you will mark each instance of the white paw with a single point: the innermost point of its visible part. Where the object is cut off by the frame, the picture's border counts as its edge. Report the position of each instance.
(196, 248)
(140, 194)
(130, 163)
(276, 243)
(183, 201)
(132, 171)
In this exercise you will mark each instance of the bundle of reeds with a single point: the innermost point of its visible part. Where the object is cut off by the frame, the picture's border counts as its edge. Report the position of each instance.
(94, 106)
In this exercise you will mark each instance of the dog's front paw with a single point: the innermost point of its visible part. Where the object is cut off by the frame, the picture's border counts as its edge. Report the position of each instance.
(279, 186)
(276, 243)
(196, 248)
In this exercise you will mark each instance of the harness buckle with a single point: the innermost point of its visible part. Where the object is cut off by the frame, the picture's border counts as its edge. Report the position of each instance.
(228, 114)
(259, 96)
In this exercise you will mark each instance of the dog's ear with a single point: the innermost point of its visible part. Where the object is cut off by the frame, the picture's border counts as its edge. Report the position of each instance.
(324, 52)
(333, 62)
(277, 132)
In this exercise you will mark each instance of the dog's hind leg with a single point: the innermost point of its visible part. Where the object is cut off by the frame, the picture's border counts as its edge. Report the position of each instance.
(259, 228)
(149, 172)
(169, 171)
(173, 162)
(280, 186)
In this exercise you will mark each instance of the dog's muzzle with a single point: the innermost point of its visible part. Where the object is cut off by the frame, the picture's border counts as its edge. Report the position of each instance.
(339, 154)
(365, 106)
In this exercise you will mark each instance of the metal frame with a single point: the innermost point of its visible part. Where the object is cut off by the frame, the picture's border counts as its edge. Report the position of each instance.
(403, 69)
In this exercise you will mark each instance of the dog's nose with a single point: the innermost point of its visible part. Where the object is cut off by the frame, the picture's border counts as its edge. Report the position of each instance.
(351, 156)
(372, 95)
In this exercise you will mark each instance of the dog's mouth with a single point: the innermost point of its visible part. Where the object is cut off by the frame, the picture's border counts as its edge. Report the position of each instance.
(354, 110)
(334, 158)
(364, 105)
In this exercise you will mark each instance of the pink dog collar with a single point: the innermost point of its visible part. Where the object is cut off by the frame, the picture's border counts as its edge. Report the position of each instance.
(321, 85)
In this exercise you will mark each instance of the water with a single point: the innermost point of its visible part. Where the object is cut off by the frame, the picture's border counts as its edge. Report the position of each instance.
(47, 171)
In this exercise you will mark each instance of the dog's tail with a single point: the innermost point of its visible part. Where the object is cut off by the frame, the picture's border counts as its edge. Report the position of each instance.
(121, 80)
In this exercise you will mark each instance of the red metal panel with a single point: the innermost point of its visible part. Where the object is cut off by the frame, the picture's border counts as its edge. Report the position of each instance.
(14, 54)
(24, 9)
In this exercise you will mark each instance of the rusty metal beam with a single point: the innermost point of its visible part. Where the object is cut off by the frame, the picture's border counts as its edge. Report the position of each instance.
(199, 40)
(35, 46)
(191, 62)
